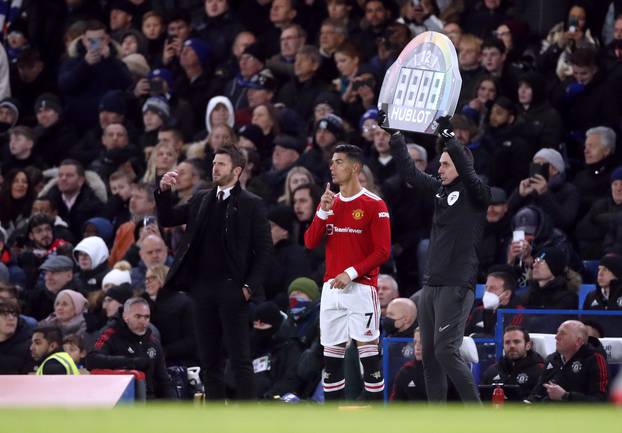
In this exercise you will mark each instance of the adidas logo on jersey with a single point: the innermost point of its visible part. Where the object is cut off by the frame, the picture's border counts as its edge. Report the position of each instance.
(369, 333)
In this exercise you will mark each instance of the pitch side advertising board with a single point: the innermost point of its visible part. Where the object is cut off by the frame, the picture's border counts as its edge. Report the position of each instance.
(422, 85)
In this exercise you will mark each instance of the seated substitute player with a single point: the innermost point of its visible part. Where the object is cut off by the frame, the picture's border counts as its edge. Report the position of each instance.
(356, 224)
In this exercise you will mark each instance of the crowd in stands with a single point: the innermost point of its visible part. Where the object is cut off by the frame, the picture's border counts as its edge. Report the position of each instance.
(100, 98)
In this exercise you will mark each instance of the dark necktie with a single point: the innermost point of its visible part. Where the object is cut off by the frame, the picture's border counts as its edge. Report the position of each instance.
(221, 196)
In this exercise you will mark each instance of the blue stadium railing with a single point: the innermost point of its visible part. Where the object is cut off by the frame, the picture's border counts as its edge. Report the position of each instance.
(498, 340)
(385, 359)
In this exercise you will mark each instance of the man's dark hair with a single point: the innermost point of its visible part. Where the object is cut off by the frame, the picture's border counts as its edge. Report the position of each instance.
(509, 280)
(176, 132)
(11, 289)
(584, 57)
(178, 14)
(597, 326)
(77, 164)
(76, 340)
(494, 43)
(314, 191)
(354, 153)
(94, 25)
(197, 167)
(52, 334)
(39, 219)
(9, 306)
(24, 131)
(28, 57)
(237, 157)
(519, 329)
(48, 199)
(148, 188)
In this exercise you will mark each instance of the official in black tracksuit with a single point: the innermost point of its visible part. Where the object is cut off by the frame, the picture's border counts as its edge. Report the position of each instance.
(221, 262)
(460, 203)
(576, 372)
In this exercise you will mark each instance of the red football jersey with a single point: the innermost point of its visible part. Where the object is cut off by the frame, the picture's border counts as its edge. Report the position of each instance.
(359, 236)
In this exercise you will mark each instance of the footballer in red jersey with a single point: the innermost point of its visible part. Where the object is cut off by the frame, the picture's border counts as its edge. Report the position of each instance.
(358, 240)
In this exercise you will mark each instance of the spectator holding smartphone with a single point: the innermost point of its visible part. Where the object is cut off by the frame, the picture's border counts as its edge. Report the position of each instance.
(93, 68)
(547, 188)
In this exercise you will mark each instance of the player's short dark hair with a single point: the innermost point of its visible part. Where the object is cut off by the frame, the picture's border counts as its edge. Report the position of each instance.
(354, 153)
(52, 334)
(509, 280)
(511, 328)
(77, 164)
(237, 157)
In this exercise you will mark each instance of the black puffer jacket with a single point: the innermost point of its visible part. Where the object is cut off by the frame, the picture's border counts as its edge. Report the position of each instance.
(554, 294)
(15, 355)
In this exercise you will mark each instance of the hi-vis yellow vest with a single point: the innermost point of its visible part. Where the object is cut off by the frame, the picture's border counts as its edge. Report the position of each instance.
(64, 359)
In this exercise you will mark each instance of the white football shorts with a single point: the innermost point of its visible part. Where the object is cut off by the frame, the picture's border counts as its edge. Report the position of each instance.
(352, 312)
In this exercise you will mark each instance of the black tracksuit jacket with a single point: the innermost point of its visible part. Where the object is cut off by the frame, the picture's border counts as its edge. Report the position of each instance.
(459, 215)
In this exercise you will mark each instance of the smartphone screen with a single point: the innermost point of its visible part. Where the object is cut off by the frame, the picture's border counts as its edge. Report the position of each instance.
(518, 235)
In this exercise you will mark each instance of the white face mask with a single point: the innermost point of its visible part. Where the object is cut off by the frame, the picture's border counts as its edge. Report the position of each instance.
(490, 301)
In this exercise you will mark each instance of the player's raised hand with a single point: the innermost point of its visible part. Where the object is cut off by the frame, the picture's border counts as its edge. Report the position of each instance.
(168, 181)
(326, 202)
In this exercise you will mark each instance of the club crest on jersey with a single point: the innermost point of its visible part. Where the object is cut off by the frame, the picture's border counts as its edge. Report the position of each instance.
(453, 197)
(576, 366)
(522, 378)
(357, 214)
(330, 229)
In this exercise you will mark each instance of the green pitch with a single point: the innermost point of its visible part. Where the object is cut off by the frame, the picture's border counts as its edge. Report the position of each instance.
(270, 418)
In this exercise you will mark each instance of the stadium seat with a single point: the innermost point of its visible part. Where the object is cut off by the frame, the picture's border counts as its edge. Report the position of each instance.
(590, 271)
(468, 350)
(544, 344)
(479, 291)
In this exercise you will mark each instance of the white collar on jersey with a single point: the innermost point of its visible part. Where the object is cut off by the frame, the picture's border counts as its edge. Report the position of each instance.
(353, 197)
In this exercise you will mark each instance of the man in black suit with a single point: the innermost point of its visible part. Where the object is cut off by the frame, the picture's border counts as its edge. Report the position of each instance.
(222, 260)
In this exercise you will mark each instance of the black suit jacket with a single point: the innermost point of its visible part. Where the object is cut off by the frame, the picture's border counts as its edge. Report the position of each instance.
(248, 244)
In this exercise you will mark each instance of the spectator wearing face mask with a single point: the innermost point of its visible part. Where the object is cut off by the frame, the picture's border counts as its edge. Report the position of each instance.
(499, 293)
(275, 351)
